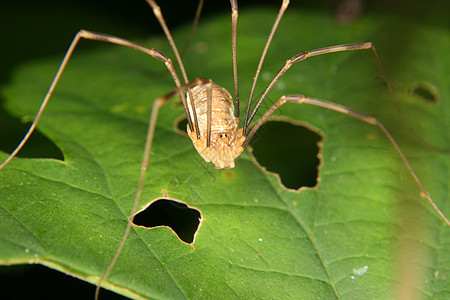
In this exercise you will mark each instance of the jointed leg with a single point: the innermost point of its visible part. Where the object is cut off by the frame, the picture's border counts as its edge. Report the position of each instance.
(299, 99)
(283, 8)
(234, 17)
(144, 166)
(304, 55)
(103, 38)
(193, 28)
(162, 22)
(156, 106)
(339, 48)
(208, 114)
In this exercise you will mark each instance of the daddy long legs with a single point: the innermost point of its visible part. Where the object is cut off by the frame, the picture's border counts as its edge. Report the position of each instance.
(204, 137)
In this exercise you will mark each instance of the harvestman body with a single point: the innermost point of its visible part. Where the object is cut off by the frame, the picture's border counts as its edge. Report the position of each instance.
(222, 142)
(212, 120)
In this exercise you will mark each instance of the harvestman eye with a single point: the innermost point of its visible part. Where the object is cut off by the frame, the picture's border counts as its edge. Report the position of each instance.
(213, 115)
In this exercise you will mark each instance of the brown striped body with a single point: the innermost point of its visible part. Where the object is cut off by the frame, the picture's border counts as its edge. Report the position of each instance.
(226, 138)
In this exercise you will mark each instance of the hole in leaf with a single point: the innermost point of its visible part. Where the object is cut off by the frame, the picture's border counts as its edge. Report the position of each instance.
(178, 216)
(38, 146)
(290, 150)
(426, 92)
(181, 125)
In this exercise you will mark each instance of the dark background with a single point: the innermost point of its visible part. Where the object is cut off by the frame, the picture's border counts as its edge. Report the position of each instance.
(30, 30)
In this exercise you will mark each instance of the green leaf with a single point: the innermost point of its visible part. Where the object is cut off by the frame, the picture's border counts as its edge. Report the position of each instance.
(364, 230)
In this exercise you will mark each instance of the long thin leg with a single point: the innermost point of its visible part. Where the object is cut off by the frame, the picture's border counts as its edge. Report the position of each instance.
(234, 17)
(193, 28)
(144, 166)
(208, 114)
(156, 106)
(162, 22)
(299, 99)
(304, 55)
(103, 38)
(283, 8)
